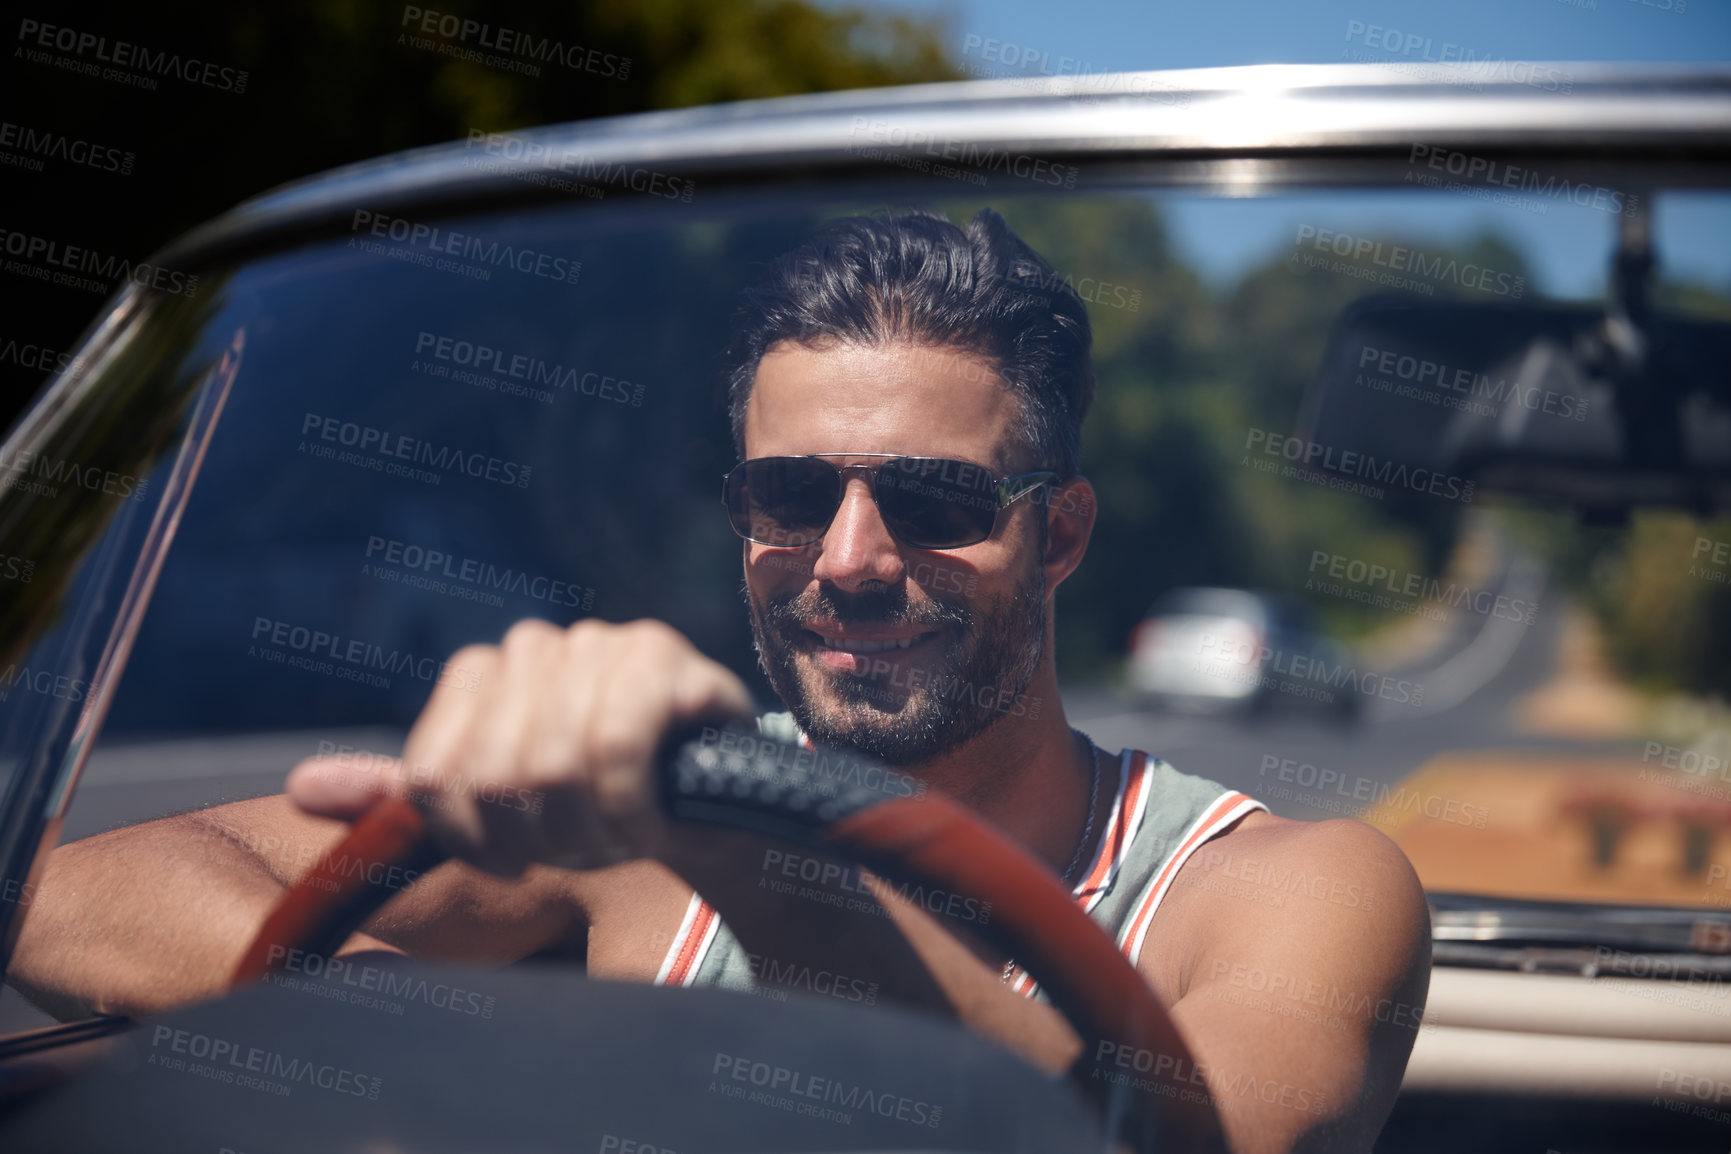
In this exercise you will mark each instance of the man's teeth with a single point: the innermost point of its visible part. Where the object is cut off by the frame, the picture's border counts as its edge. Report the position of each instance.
(856, 646)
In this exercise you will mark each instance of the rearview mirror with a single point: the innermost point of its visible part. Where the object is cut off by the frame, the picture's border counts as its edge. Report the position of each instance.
(1562, 401)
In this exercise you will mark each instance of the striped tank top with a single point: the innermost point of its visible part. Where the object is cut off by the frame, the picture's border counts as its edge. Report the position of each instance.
(1158, 818)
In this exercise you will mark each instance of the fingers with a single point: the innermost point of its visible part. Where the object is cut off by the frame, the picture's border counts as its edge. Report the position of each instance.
(628, 726)
(552, 757)
(329, 787)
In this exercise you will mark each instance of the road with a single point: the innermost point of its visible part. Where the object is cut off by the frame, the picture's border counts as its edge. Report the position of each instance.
(1477, 670)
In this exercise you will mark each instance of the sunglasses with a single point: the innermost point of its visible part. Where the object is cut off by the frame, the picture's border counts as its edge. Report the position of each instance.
(925, 502)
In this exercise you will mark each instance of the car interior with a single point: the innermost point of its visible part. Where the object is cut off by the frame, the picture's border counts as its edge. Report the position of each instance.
(1479, 435)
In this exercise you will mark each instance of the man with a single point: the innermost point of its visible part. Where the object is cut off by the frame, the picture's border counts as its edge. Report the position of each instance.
(909, 416)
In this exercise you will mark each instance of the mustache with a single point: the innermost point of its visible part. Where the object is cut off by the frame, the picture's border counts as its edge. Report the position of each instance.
(871, 607)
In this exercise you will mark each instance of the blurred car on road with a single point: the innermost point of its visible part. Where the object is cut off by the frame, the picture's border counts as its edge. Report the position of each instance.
(1212, 650)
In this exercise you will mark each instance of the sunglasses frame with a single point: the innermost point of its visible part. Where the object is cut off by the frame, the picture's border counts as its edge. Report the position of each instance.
(1008, 491)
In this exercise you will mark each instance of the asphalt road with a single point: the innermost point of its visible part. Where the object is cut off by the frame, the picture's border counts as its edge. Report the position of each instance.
(1470, 680)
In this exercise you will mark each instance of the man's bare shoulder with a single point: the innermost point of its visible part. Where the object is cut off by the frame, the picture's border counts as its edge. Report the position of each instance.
(1310, 886)
(1299, 957)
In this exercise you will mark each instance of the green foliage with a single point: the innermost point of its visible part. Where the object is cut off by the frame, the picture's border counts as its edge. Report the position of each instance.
(1182, 380)
(332, 82)
(1664, 604)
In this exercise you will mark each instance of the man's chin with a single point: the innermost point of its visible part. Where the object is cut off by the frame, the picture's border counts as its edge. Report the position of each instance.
(863, 711)
(907, 731)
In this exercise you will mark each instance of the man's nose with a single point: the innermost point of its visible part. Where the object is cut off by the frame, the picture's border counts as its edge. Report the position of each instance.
(858, 546)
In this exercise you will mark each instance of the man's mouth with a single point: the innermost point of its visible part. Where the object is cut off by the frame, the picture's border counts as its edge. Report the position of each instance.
(840, 649)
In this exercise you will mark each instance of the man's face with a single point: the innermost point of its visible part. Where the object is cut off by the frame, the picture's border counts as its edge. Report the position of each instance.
(831, 618)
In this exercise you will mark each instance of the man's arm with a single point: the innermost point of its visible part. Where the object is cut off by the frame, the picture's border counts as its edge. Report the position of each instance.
(142, 919)
(1304, 987)
(1294, 959)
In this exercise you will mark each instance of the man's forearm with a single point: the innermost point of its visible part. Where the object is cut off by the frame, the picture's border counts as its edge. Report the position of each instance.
(142, 919)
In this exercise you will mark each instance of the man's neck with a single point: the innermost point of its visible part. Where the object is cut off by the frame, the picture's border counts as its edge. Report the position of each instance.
(1031, 775)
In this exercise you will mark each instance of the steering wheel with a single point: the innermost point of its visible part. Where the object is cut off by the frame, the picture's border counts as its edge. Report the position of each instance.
(732, 776)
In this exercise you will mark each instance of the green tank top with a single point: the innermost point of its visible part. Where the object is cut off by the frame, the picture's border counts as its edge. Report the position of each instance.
(1158, 818)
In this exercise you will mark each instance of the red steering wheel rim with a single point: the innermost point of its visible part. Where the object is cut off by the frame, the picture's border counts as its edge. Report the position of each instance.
(927, 839)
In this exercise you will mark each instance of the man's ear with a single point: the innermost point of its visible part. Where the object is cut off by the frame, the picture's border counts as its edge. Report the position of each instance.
(1070, 511)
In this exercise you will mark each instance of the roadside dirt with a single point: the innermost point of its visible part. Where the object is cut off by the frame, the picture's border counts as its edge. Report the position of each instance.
(1519, 825)
(1584, 699)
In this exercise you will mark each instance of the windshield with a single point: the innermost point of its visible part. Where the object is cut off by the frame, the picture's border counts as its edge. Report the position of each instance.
(410, 437)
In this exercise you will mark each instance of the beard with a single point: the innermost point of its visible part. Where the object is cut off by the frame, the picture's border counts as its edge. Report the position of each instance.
(904, 712)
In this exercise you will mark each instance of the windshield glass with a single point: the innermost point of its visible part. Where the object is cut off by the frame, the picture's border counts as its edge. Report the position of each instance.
(417, 434)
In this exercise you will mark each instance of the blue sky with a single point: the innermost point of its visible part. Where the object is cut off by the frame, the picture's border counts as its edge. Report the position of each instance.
(1566, 246)
(1111, 35)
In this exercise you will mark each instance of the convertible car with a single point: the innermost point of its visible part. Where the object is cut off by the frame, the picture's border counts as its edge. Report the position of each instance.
(1446, 359)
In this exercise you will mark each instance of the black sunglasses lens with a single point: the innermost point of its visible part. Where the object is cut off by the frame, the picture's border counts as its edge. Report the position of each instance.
(936, 504)
(787, 501)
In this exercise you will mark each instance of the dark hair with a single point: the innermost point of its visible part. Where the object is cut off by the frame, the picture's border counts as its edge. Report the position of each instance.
(912, 275)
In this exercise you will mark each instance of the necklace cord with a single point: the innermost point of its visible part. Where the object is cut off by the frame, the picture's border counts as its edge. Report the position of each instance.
(1087, 830)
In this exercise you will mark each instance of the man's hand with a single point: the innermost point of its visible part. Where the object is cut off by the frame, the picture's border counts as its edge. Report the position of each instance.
(567, 719)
